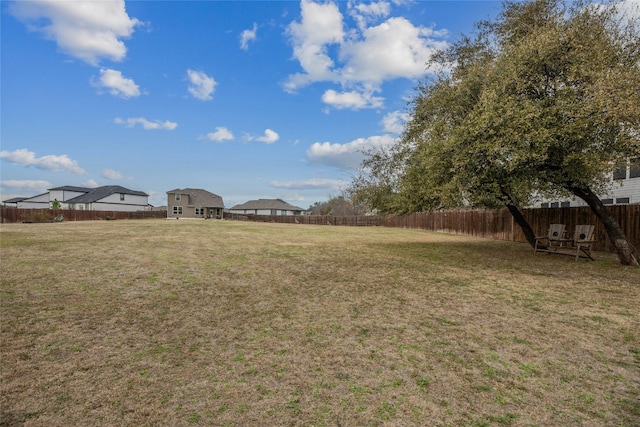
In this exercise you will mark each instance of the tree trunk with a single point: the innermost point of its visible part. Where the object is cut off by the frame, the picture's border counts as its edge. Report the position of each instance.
(524, 224)
(627, 253)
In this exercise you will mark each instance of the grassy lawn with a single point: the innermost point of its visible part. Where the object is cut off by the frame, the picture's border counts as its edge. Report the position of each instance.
(153, 322)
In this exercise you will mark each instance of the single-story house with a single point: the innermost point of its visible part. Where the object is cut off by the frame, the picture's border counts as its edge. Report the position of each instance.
(194, 203)
(266, 207)
(105, 198)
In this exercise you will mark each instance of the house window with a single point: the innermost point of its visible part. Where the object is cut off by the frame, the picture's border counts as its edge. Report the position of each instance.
(565, 204)
(177, 197)
(72, 206)
(607, 201)
(555, 204)
(121, 197)
(635, 168)
(177, 210)
(620, 173)
(544, 205)
(87, 207)
(199, 211)
(622, 200)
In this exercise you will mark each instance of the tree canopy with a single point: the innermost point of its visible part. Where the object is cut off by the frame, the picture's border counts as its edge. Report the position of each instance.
(544, 100)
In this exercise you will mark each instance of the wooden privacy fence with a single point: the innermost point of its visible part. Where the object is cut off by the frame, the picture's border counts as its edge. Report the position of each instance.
(499, 224)
(10, 214)
(361, 220)
(494, 224)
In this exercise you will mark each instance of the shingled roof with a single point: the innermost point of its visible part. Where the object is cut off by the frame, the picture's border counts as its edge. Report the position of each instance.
(14, 200)
(263, 204)
(200, 198)
(99, 193)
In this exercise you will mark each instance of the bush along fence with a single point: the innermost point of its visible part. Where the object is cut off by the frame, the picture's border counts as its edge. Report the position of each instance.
(494, 224)
(11, 214)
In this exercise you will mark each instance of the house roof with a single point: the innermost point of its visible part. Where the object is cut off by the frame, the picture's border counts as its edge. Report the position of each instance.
(200, 197)
(15, 200)
(263, 204)
(99, 193)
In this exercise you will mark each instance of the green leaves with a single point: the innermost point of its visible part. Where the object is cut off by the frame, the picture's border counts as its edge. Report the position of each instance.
(543, 99)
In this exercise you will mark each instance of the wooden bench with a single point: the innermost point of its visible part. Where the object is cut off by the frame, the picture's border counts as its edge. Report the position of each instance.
(579, 246)
(554, 239)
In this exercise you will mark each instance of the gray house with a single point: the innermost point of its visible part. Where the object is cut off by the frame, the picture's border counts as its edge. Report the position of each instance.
(193, 203)
(266, 207)
(105, 198)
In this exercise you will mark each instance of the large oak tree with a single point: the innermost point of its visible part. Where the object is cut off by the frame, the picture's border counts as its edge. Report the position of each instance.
(544, 100)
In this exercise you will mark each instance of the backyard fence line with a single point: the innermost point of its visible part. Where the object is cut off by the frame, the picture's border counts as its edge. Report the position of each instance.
(11, 214)
(496, 224)
(487, 223)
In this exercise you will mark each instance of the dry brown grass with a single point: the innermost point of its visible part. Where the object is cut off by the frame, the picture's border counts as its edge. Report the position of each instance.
(176, 323)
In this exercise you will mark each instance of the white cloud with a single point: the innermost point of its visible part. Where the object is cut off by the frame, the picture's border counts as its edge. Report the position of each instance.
(320, 26)
(91, 183)
(248, 35)
(24, 157)
(365, 13)
(146, 124)
(311, 184)
(201, 86)
(87, 30)
(221, 134)
(31, 185)
(269, 137)
(116, 83)
(351, 99)
(346, 156)
(394, 121)
(359, 59)
(394, 49)
(111, 174)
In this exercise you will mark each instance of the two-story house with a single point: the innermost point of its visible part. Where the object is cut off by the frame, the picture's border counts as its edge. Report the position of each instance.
(625, 189)
(194, 203)
(105, 198)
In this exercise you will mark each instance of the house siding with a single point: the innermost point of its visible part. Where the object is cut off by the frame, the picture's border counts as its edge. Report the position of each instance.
(621, 190)
(61, 195)
(37, 202)
(278, 212)
(208, 204)
(183, 202)
(131, 202)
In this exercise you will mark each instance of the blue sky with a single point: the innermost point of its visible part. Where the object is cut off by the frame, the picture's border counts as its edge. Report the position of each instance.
(246, 99)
